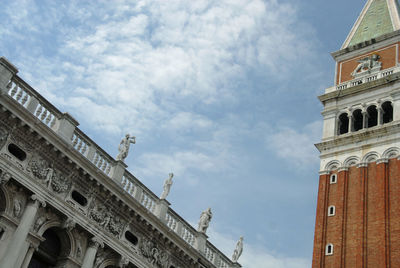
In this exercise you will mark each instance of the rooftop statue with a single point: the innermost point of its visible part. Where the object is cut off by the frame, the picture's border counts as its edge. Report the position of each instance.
(204, 221)
(367, 64)
(124, 145)
(238, 250)
(167, 186)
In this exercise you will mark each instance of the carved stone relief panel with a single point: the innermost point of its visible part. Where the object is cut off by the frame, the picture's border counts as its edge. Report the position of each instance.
(153, 254)
(18, 201)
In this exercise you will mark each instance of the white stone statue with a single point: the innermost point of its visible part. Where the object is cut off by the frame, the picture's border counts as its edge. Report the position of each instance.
(124, 145)
(167, 186)
(238, 250)
(367, 64)
(204, 221)
(49, 176)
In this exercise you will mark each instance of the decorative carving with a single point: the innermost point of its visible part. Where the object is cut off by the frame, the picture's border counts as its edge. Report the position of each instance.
(41, 220)
(3, 137)
(123, 262)
(238, 250)
(167, 186)
(96, 242)
(4, 178)
(39, 200)
(368, 64)
(204, 221)
(69, 224)
(124, 145)
(105, 218)
(17, 209)
(48, 175)
(155, 256)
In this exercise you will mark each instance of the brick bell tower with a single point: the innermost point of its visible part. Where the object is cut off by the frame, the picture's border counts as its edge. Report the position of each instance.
(358, 208)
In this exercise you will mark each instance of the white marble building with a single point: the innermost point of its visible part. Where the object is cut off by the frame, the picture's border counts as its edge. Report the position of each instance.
(65, 202)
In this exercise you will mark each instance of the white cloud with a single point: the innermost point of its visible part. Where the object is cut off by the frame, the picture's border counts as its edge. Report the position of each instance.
(296, 145)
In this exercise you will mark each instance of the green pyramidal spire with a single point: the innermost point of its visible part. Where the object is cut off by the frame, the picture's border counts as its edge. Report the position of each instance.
(377, 18)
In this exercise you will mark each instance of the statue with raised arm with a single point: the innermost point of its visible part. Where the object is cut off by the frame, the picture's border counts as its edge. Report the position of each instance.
(204, 221)
(238, 250)
(124, 145)
(167, 186)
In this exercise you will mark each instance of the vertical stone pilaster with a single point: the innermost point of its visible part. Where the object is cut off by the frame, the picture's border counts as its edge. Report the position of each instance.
(19, 237)
(201, 240)
(162, 209)
(91, 251)
(118, 171)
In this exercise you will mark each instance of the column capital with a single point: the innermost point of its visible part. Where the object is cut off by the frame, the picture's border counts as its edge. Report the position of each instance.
(96, 242)
(38, 200)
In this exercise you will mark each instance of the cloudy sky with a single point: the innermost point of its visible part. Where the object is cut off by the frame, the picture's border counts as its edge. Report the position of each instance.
(223, 93)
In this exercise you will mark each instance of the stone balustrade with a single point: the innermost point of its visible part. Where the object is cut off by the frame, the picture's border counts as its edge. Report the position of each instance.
(365, 79)
(31, 100)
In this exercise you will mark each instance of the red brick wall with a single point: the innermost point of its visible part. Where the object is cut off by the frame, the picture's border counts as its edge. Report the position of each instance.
(365, 230)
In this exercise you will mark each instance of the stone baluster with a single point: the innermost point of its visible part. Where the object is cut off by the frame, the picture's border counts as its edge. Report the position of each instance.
(16, 244)
(91, 252)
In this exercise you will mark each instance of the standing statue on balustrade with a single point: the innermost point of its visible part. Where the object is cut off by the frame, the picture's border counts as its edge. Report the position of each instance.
(124, 145)
(238, 250)
(167, 186)
(204, 221)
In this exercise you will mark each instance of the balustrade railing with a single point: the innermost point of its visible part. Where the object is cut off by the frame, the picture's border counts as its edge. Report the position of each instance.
(188, 233)
(22, 93)
(25, 96)
(366, 79)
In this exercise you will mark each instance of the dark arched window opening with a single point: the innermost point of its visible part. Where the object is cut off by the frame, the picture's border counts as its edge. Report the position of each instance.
(17, 152)
(48, 252)
(372, 116)
(79, 198)
(387, 110)
(131, 238)
(357, 120)
(343, 124)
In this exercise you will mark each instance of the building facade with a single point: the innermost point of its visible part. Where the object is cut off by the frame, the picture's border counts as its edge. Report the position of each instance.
(64, 202)
(358, 208)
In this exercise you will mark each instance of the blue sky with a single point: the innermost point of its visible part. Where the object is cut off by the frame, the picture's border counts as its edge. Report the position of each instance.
(221, 93)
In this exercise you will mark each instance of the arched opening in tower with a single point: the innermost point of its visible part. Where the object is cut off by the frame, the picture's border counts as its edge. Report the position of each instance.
(343, 124)
(387, 110)
(372, 116)
(357, 120)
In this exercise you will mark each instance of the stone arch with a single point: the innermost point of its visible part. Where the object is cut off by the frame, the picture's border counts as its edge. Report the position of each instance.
(5, 200)
(391, 153)
(66, 236)
(343, 123)
(371, 157)
(333, 165)
(112, 262)
(351, 161)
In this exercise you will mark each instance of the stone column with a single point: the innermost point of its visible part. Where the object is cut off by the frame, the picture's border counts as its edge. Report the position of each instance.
(380, 115)
(19, 237)
(365, 119)
(351, 123)
(28, 256)
(91, 252)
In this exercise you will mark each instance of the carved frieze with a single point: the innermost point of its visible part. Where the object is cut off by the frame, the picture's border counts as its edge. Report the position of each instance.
(155, 256)
(48, 175)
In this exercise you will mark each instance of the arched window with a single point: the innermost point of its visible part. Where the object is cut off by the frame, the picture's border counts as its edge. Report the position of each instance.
(357, 120)
(333, 178)
(48, 251)
(329, 249)
(343, 124)
(387, 110)
(331, 211)
(372, 116)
